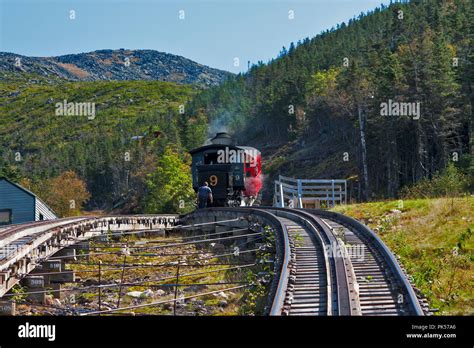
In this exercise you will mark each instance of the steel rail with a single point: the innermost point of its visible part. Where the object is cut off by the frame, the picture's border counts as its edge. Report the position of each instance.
(346, 301)
(331, 302)
(387, 255)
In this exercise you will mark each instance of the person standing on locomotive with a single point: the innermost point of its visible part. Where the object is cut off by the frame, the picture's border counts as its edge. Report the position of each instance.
(204, 196)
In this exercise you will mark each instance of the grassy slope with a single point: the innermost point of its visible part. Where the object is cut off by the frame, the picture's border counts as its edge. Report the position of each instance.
(93, 148)
(425, 233)
(27, 108)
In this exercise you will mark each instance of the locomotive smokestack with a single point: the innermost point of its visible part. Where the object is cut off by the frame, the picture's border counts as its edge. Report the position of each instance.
(223, 138)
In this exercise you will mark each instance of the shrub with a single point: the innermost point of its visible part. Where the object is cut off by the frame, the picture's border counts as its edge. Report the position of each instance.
(451, 183)
(169, 187)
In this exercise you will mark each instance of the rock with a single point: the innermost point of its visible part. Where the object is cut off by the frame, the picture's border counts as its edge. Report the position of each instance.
(395, 211)
(222, 294)
(222, 303)
(48, 300)
(197, 303)
(160, 292)
(147, 293)
(135, 294)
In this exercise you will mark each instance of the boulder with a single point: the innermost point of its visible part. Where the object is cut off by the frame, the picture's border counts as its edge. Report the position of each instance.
(135, 294)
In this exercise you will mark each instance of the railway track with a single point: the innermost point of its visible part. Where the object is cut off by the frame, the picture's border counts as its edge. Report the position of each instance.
(321, 283)
(342, 258)
(383, 286)
(326, 264)
(330, 264)
(379, 291)
(308, 280)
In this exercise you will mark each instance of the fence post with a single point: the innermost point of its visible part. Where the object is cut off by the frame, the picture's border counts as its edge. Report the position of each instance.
(300, 193)
(100, 286)
(333, 202)
(275, 193)
(282, 198)
(176, 288)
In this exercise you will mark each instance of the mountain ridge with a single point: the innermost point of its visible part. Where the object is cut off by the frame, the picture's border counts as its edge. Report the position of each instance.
(116, 65)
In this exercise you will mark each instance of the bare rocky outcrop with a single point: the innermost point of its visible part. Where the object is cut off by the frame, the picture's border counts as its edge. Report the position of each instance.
(117, 65)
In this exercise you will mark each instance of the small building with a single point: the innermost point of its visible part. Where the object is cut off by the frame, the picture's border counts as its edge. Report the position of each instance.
(18, 205)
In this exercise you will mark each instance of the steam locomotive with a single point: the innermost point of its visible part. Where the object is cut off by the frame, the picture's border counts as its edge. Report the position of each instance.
(232, 172)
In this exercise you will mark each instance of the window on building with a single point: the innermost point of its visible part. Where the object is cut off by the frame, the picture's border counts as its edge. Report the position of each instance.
(5, 216)
(41, 217)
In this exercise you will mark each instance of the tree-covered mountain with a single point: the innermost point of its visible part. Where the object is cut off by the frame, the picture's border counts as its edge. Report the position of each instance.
(329, 107)
(117, 65)
(116, 151)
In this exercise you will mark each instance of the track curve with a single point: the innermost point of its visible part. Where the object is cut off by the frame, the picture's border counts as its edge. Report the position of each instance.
(326, 263)
(330, 264)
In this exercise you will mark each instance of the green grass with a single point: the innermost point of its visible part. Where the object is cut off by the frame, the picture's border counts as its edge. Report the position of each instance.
(28, 108)
(433, 238)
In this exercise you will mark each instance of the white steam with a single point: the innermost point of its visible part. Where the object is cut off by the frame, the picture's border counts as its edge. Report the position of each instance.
(220, 124)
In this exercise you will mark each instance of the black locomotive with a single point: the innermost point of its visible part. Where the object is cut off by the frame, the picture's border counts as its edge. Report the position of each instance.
(233, 172)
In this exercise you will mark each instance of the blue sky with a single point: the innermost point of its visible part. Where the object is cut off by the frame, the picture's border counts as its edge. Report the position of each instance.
(213, 32)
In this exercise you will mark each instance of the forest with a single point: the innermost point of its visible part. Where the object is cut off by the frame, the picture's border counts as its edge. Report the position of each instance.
(319, 110)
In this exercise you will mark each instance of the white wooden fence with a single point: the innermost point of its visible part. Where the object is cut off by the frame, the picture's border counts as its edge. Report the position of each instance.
(298, 193)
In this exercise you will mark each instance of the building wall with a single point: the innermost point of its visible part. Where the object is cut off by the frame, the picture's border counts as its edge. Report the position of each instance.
(21, 203)
(42, 208)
